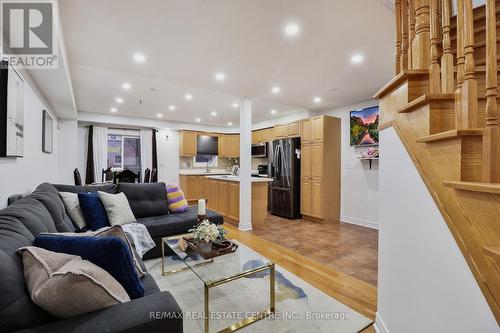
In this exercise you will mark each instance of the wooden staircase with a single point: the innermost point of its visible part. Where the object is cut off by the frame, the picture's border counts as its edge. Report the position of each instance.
(443, 103)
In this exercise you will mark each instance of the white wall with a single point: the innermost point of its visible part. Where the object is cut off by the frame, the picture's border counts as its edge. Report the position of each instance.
(424, 283)
(67, 152)
(22, 175)
(360, 185)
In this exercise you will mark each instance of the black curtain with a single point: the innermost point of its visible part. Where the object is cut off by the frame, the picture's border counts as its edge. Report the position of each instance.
(154, 178)
(89, 174)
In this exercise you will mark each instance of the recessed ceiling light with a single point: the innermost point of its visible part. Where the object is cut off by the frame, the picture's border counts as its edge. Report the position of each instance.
(273, 111)
(139, 57)
(292, 29)
(357, 58)
(188, 97)
(276, 90)
(317, 99)
(220, 76)
(235, 105)
(197, 120)
(171, 107)
(229, 123)
(113, 110)
(159, 115)
(119, 100)
(126, 86)
(213, 113)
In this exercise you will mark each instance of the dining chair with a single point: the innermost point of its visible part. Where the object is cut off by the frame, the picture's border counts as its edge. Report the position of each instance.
(77, 177)
(147, 175)
(107, 175)
(127, 176)
(154, 176)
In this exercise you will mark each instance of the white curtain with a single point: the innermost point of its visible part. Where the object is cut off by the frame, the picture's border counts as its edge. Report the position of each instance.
(146, 150)
(100, 151)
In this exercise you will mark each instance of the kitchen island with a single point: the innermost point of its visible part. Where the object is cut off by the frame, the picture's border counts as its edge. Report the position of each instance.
(223, 194)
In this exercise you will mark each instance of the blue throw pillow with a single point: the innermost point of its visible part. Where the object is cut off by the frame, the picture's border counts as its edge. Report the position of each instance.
(109, 253)
(93, 210)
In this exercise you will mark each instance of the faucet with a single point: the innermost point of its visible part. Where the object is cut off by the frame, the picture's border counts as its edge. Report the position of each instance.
(208, 166)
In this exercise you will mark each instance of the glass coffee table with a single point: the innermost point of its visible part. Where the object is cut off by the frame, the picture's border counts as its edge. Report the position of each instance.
(220, 270)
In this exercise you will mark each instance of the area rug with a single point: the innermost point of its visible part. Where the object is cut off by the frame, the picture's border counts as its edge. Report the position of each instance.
(300, 307)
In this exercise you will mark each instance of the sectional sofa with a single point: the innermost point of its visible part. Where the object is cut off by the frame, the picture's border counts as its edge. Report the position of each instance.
(43, 211)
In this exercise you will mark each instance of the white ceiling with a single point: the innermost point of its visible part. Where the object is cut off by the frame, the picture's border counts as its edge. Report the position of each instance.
(187, 41)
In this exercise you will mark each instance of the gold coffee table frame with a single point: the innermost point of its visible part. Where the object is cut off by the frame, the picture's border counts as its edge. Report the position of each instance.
(211, 284)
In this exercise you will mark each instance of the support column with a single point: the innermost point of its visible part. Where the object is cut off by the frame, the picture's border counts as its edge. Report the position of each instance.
(245, 164)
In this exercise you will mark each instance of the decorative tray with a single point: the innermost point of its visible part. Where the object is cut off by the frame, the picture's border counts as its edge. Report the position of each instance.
(218, 249)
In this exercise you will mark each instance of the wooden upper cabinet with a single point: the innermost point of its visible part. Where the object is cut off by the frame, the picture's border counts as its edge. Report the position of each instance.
(187, 143)
(317, 161)
(280, 131)
(232, 145)
(256, 136)
(293, 130)
(317, 129)
(305, 131)
(267, 135)
(222, 146)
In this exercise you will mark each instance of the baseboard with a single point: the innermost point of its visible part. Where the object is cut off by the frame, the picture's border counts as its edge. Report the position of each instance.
(379, 324)
(363, 223)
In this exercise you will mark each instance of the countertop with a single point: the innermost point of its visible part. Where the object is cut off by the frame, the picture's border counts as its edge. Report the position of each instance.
(202, 172)
(237, 179)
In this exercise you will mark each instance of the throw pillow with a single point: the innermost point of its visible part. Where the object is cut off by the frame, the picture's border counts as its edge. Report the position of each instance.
(115, 231)
(109, 253)
(73, 209)
(93, 210)
(66, 285)
(117, 208)
(175, 198)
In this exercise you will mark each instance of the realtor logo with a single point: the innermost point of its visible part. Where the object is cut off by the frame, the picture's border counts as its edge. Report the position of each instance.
(28, 34)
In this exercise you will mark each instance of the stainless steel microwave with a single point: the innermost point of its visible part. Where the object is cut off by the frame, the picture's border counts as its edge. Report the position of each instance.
(259, 150)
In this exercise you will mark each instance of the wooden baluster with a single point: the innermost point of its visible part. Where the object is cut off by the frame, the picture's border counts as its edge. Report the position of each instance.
(469, 109)
(397, 55)
(420, 57)
(460, 62)
(411, 30)
(434, 69)
(404, 36)
(447, 79)
(491, 139)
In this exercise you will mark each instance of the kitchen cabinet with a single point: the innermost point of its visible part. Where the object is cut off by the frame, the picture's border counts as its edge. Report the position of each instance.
(281, 131)
(213, 194)
(187, 143)
(201, 187)
(234, 201)
(232, 145)
(305, 131)
(320, 169)
(294, 130)
(221, 146)
(256, 136)
(223, 197)
(188, 186)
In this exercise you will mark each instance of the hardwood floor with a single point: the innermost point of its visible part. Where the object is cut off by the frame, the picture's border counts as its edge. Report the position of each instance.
(348, 248)
(358, 294)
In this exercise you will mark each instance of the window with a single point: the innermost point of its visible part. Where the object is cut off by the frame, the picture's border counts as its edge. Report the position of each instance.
(124, 151)
(205, 161)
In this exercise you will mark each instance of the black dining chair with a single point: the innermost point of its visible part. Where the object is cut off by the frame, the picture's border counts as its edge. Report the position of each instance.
(77, 177)
(154, 176)
(147, 175)
(107, 175)
(127, 176)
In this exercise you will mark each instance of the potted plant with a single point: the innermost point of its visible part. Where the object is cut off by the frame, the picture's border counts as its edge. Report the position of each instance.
(206, 233)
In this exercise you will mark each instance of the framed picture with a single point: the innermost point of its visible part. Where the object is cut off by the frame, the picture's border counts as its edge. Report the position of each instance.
(47, 133)
(11, 112)
(364, 126)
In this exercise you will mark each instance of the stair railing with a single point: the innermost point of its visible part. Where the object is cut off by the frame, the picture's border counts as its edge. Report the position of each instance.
(435, 33)
(491, 138)
(421, 43)
(397, 51)
(411, 30)
(404, 35)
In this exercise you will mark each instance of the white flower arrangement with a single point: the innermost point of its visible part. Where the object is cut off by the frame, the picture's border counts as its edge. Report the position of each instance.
(208, 232)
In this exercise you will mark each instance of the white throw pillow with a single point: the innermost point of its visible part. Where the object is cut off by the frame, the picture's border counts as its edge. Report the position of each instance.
(117, 208)
(72, 205)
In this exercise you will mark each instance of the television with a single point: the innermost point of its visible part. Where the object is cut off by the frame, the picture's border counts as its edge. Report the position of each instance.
(207, 145)
(364, 126)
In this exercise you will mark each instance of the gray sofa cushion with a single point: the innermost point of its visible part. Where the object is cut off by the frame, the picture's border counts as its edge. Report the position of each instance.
(17, 311)
(48, 195)
(150, 286)
(145, 199)
(108, 188)
(178, 223)
(32, 214)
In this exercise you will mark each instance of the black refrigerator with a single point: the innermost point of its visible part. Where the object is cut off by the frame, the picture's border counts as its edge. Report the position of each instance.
(284, 168)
